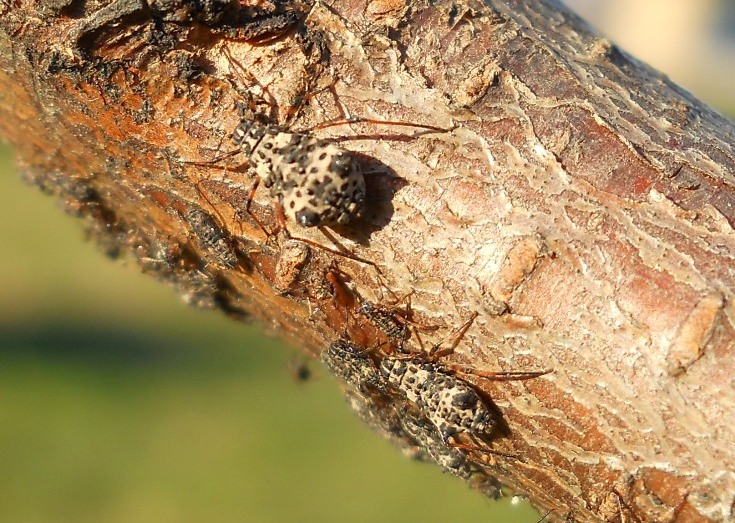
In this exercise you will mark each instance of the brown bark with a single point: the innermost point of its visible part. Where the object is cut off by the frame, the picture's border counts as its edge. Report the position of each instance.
(579, 202)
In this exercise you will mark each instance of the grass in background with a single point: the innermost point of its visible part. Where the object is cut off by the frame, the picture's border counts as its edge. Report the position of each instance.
(120, 404)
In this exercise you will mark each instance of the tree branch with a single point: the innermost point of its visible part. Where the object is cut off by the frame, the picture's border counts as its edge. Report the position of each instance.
(579, 202)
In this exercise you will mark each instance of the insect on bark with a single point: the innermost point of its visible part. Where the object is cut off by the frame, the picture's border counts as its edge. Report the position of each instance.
(317, 182)
(449, 403)
(211, 237)
(354, 367)
(313, 181)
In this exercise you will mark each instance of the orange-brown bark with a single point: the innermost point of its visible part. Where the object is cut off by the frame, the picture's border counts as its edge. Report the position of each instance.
(578, 201)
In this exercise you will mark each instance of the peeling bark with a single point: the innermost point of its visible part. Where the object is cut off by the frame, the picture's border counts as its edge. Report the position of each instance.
(578, 201)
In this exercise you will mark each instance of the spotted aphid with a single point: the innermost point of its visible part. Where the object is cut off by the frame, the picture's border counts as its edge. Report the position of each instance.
(317, 182)
(211, 236)
(382, 418)
(367, 394)
(451, 404)
(450, 459)
(351, 365)
(385, 320)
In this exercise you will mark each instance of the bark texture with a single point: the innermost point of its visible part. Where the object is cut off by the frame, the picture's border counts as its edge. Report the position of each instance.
(578, 201)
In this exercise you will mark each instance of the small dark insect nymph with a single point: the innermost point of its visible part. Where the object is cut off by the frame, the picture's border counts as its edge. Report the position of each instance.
(355, 368)
(385, 320)
(211, 236)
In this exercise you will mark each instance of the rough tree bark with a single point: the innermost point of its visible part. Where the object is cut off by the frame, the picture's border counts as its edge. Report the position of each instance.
(578, 201)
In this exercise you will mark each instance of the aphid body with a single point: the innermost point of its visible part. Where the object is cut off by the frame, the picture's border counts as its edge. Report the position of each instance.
(384, 320)
(211, 236)
(385, 420)
(318, 182)
(451, 404)
(450, 459)
(350, 364)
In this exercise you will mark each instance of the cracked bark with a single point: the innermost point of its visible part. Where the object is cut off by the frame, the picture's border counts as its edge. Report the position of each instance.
(581, 204)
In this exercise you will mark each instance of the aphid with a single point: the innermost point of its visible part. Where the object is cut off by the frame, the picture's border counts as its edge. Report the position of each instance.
(384, 420)
(450, 459)
(451, 404)
(211, 237)
(316, 181)
(385, 320)
(355, 368)
(367, 394)
(421, 427)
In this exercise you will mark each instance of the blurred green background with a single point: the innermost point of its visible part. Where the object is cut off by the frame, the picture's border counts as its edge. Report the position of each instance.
(120, 404)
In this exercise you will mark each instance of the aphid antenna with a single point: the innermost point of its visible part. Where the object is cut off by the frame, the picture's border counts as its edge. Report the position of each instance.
(208, 163)
(251, 191)
(348, 119)
(508, 375)
(474, 448)
(342, 294)
(358, 119)
(247, 111)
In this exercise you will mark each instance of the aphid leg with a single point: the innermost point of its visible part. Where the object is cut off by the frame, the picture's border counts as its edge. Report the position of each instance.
(343, 253)
(479, 450)
(544, 516)
(680, 507)
(281, 217)
(437, 352)
(282, 227)
(248, 201)
(342, 297)
(417, 326)
(341, 293)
